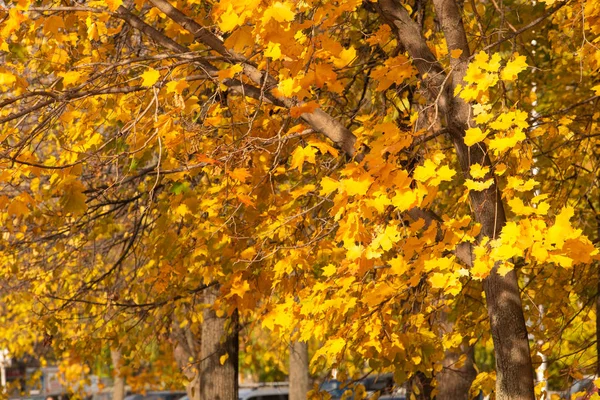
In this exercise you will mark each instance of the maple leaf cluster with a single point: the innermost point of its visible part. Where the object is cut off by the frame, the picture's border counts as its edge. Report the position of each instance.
(300, 159)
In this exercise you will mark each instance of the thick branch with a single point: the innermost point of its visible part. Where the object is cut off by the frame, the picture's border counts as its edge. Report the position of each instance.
(319, 120)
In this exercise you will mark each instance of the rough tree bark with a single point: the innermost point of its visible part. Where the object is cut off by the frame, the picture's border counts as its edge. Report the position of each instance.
(509, 332)
(219, 338)
(299, 380)
(455, 380)
(118, 379)
(597, 293)
(186, 352)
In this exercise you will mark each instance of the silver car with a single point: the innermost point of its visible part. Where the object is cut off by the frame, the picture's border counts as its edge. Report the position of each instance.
(264, 393)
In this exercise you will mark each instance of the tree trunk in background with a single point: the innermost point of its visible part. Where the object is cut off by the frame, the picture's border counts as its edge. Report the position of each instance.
(119, 381)
(299, 380)
(186, 355)
(454, 382)
(597, 241)
(219, 338)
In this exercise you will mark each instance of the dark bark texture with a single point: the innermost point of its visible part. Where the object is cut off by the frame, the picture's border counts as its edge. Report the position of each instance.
(219, 338)
(186, 352)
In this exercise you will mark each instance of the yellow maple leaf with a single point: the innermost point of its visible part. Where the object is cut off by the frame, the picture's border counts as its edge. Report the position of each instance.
(456, 53)
(398, 266)
(474, 135)
(562, 228)
(404, 200)
(238, 288)
(504, 268)
(514, 67)
(510, 233)
(334, 346)
(518, 207)
(302, 154)
(229, 72)
(14, 22)
(500, 144)
(387, 238)
(70, 77)
(354, 251)
(223, 358)
(177, 86)
(520, 185)
(288, 87)
(17, 207)
(329, 270)
(280, 12)
(229, 19)
(380, 201)
(150, 77)
(480, 59)
(7, 79)
(328, 185)
(273, 51)
(539, 252)
(478, 185)
(425, 172)
(477, 171)
(444, 173)
(438, 280)
(240, 174)
(248, 254)
(345, 57)
(240, 39)
(182, 210)
(302, 191)
(358, 186)
(323, 147)
(73, 199)
(481, 265)
(113, 4)
(493, 65)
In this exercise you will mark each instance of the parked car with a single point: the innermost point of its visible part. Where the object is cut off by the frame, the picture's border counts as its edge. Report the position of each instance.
(264, 393)
(157, 395)
(382, 384)
(334, 387)
(106, 394)
(51, 396)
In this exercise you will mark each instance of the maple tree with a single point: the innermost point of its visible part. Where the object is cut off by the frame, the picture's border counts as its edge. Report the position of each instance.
(395, 180)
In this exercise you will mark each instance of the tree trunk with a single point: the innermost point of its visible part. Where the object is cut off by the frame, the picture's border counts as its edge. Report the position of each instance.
(118, 379)
(218, 380)
(299, 380)
(509, 332)
(598, 294)
(514, 371)
(186, 355)
(454, 382)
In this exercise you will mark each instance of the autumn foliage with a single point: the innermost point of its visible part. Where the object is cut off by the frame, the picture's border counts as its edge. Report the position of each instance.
(397, 181)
